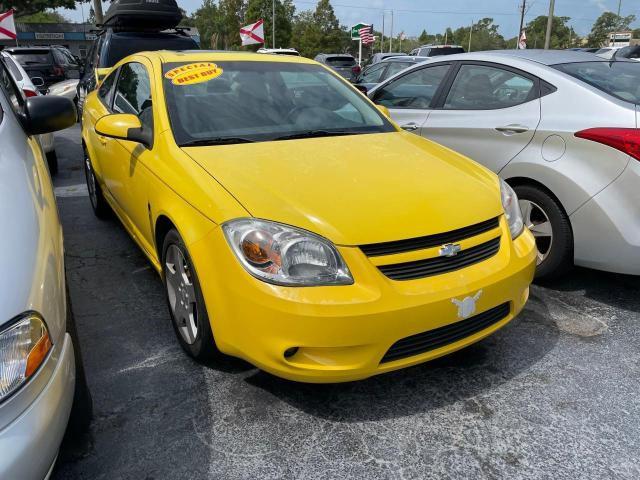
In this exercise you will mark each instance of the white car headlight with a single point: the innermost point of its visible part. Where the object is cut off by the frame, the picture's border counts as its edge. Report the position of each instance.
(284, 255)
(511, 209)
(24, 346)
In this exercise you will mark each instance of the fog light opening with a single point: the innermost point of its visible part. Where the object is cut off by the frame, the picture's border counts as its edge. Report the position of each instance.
(290, 352)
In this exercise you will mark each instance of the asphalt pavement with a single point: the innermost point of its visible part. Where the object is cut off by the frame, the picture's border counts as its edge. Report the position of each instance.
(553, 395)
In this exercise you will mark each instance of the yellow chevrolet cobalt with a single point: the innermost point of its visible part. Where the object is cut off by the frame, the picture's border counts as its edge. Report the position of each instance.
(293, 224)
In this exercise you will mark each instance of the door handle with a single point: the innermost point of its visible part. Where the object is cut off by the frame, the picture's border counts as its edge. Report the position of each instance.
(410, 127)
(513, 129)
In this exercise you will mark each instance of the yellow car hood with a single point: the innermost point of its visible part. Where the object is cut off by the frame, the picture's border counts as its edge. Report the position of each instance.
(356, 189)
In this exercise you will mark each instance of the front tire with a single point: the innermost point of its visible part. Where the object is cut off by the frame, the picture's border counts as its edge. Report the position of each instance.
(186, 303)
(550, 225)
(98, 202)
(52, 161)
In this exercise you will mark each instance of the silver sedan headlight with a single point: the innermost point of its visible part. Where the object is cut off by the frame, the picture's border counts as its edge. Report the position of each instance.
(284, 255)
(24, 346)
(511, 209)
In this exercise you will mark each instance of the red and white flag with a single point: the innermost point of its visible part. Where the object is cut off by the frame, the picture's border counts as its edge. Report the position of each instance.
(522, 42)
(7, 26)
(253, 34)
(366, 35)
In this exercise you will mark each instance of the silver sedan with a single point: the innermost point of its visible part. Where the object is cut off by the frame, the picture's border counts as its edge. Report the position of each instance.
(40, 370)
(560, 126)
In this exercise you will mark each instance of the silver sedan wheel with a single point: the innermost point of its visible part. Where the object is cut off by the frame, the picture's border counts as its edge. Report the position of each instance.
(91, 181)
(538, 222)
(182, 294)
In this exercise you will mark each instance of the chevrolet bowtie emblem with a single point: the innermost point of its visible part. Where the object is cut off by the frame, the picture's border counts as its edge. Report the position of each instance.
(450, 250)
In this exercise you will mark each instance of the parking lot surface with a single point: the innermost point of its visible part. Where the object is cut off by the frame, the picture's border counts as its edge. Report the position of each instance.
(552, 395)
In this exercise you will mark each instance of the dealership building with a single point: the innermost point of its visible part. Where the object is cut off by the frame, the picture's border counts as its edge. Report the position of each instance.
(77, 37)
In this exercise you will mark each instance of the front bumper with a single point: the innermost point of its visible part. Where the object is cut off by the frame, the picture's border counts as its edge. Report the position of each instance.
(342, 332)
(29, 445)
(606, 229)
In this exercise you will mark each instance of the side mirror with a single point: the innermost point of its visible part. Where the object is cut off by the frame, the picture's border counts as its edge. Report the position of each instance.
(45, 114)
(384, 110)
(363, 89)
(37, 81)
(124, 126)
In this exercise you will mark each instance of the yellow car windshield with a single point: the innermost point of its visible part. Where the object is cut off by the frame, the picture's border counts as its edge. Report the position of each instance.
(249, 101)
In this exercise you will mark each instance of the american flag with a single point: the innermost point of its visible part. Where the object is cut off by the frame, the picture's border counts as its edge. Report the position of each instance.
(366, 35)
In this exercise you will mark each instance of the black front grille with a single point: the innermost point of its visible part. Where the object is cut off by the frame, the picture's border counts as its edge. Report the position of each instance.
(439, 337)
(408, 245)
(440, 265)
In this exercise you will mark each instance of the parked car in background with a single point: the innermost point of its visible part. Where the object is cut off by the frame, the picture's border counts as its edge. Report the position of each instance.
(41, 374)
(29, 89)
(373, 237)
(387, 68)
(280, 51)
(378, 57)
(113, 45)
(630, 53)
(559, 126)
(436, 50)
(343, 64)
(587, 50)
(67, 89)
(53, 64)
(607, 52)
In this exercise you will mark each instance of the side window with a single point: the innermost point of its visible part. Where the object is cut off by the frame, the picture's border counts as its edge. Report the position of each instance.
(59, 57)
(414, 90)
(394, 68)
(133, 93)
(373, 74)
(10, 90)
(480, 87)
(105, 92)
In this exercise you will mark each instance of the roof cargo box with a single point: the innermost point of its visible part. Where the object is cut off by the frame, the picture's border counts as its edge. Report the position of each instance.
(143, 14)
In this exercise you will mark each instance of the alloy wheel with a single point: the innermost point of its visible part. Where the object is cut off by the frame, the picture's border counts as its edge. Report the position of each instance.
(181, 293)
(538, 222)
(91, 182)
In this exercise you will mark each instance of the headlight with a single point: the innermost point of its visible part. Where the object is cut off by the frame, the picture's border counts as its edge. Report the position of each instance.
(284, 255)
(511, 209)
(23, 348)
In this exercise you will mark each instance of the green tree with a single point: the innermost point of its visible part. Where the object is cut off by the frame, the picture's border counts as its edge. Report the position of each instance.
(606, 23)
(262, 9)
(25, 8)
(424, 37)
(44, 17)
(484, 36)
(562, 36)
(320, 31)
(186, 21)
(208, 21)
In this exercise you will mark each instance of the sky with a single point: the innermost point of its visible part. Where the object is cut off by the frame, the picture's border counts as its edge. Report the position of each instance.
(412, 16)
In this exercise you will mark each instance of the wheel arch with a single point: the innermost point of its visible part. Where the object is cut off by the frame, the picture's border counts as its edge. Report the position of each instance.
(163, 225)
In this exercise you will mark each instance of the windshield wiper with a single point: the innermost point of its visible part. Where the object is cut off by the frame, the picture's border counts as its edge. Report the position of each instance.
(317, 134)
(215, 141)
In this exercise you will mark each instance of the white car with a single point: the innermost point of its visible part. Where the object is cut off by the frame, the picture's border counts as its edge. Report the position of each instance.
(607, 52)
(28, 88)
(560, 126)
(41, 373)
(67, 89)
(280, 51)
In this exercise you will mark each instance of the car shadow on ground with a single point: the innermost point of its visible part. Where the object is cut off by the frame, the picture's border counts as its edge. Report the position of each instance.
(612, 289)
(462, 376)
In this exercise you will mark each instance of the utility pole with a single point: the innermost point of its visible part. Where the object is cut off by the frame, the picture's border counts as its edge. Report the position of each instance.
(522, 7)
(547, 38)
(470, 33)
(97, 11)
(382, 39)
(391, 34)
(273, 23)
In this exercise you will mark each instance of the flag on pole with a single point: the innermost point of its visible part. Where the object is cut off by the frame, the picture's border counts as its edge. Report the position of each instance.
(366, 35)
(522, 42)
(7, 26)
(253, 34)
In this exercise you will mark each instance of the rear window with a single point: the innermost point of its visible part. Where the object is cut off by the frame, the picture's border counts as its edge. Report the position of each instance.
(123, 46)
(619, 79)
(341, 61)
(437, 52)
(33, 57)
